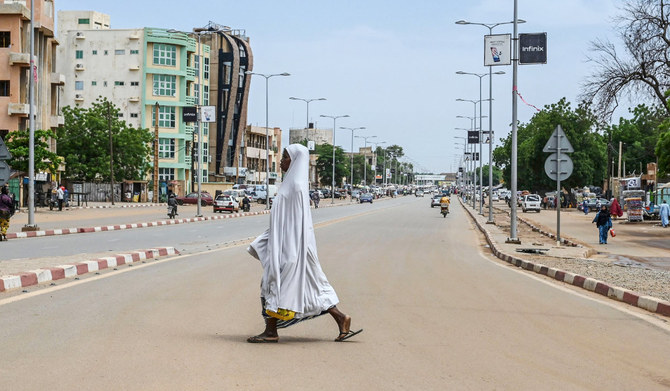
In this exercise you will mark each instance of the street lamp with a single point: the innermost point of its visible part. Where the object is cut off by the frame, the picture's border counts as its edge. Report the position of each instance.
(267, 135)
(491, 26)
(465, 140)
(473, 122)
(351, 179)
(375, 157)
(365, 159)
(334, 117)
(307, 101)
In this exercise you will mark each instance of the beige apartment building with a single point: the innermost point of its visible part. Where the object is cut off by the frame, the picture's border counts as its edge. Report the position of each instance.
(254, 156)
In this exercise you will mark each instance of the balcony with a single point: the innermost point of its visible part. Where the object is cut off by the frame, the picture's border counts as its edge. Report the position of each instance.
(188, 130)
(190, 73)
(21, 109)
(56, 120)
(21, 59)
(57, 78)
(191, 101)
(187, 160)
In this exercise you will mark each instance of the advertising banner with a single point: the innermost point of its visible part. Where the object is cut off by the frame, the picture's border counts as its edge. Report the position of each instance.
(497, 49)
(208, 113)
(473, 137)
(189, 114)
(533, 48)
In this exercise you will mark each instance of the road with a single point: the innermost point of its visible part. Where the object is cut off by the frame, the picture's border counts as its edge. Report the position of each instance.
(438, 313)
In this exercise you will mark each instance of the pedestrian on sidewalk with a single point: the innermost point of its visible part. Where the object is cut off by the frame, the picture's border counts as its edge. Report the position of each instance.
(59, 195)
(604, 223)
(615, 208)
(293, 287)
(316, 198)
(6, 211)
(585, 206)
(664, 212)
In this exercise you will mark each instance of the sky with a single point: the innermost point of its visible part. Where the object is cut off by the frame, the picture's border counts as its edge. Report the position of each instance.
(390, 64)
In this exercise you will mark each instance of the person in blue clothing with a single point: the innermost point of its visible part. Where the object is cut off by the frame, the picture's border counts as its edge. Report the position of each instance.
(604, 223)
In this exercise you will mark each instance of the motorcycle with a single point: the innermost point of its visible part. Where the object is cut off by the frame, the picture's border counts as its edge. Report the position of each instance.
(172, 211)
(246, 207)
(444, 210)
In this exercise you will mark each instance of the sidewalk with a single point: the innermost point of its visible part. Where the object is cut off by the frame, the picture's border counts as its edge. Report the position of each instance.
(576, 265)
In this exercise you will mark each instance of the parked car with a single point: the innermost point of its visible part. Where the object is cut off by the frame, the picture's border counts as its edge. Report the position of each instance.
(355, 194)
(366, 197)
(531, 202)
(593, 204)
(237, 194)
(227, 203)
(435, 201)
(419, 193)
(192, 198)
(495, 197)
(340, 194)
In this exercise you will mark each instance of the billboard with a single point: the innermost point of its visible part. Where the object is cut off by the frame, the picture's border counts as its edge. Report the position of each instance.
(208, 113)
(497, 49)
(473, 137)
(190, 114)
(533, 48)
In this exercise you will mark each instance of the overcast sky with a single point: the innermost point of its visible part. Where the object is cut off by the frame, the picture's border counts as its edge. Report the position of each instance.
(389, 64)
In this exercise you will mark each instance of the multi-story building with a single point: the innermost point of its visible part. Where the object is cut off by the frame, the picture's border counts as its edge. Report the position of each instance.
(137, 69)
(255, 151)
(15, 71)
(229, 85)
(320, 137)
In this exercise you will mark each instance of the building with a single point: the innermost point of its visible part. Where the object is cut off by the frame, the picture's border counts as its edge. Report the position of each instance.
(254, 156)
(15, 67)
(320, 137)
(229, 86)
(141, 71)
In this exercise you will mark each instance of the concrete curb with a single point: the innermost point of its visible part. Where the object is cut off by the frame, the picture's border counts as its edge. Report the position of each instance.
(22, 280)
(648, 303)
(543, 232)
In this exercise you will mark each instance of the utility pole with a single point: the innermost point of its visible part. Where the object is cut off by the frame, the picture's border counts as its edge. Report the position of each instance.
(111, 149)
(155, 197)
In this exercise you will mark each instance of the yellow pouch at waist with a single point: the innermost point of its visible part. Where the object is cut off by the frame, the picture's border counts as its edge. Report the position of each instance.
(281, 314)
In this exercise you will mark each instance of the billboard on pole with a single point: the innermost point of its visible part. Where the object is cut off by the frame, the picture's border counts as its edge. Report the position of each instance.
(533, 48)
(497, 49)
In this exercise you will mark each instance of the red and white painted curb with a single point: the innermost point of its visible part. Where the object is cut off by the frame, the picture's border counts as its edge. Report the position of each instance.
(22, 280)
(648, 303)
(66, 231)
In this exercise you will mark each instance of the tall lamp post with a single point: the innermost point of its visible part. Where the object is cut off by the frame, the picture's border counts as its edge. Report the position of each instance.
(307, 101)
(473, 121)
(334, 117)
(365, 158)
(465, 140)
(375, 158)
(267, 135)
(351, 178)
(491, 26)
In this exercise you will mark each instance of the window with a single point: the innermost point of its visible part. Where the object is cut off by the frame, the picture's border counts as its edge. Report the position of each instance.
(119, 83)
(120, 115)
(165, 174)
(165, 85)
(79, 54)
(94, 83)
(165, 54)
(196, 93)
(106, 52)
(95, 53)
(166, 148)
(134, 51)
(205, 129)
(5, 39)
(166, 117)
(79, 85)
(205, 95)
(134, 83)
(84, 21)
(206, 68)
(104, 84)
(119, 52)
(4, 87)
(196, 64)
(134, 115)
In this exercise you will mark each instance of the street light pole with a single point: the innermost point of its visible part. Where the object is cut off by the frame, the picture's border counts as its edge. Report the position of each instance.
(375, 158)
(351, 179)
(307, 101)
(334, 117)
(267, 135)
(365, 158)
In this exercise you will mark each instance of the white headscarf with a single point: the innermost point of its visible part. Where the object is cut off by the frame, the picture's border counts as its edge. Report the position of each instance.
(292, 276)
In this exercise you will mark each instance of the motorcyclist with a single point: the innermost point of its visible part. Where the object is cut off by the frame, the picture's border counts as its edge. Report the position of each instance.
(444, 203)
(172, 202)
(246, 203)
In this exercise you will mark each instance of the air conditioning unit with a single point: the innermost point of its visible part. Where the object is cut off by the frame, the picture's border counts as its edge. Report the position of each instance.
(79, 66)
(79, 34)
(79, 97)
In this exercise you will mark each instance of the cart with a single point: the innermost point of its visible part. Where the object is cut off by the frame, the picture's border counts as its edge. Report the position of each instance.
(634, 208)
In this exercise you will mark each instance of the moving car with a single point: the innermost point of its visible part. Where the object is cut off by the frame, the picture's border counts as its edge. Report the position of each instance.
(366, 197)
(435, 201)
(192, 198)
(531, 202)
(227, 203)
(495, 197)
(419, 193)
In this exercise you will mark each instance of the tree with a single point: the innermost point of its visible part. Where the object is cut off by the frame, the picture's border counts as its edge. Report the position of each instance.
(497, 175)
(84, 142)
(643, 68)
(580, 126)
(324, 164)
(18, 144)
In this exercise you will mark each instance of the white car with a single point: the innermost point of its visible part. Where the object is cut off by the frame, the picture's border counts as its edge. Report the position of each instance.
(495, 197)
(530, 202)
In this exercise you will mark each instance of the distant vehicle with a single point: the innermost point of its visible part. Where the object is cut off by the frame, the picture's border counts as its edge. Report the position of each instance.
(419, 193)
(226, 203)
(435, 201)
(594, 203)
(192, 198)
(355, 194)
(531, 202)
(495, 197)
(235, 193)
(366, 197)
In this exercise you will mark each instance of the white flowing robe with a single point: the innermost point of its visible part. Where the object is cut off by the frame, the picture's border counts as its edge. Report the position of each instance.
(292, 276)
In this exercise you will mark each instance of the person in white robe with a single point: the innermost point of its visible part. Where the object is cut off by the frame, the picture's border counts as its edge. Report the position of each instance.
(293, 287)
(664, 211)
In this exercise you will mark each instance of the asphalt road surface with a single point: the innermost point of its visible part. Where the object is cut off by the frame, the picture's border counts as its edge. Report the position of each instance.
(438, 312)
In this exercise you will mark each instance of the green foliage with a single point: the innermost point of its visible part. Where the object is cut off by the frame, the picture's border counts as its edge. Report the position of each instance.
(324, 164)
(18, 143)
(579, 125)
(84, 142)
(497, 175)
(663, 151)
